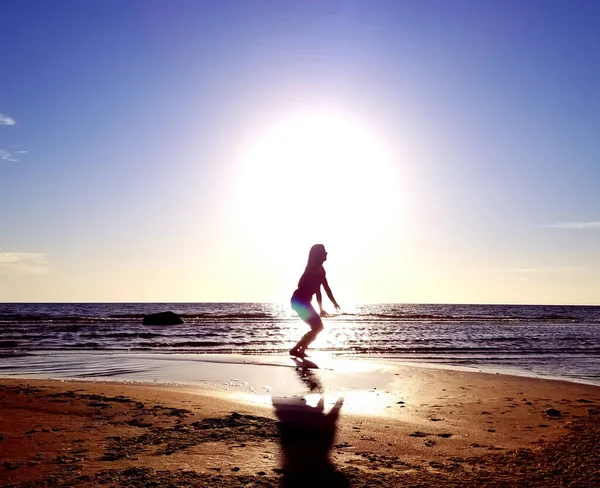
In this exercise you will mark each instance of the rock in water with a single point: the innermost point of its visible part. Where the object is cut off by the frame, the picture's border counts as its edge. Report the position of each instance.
(162, 318)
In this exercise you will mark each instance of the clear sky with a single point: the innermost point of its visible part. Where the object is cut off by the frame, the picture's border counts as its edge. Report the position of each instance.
(443, 151)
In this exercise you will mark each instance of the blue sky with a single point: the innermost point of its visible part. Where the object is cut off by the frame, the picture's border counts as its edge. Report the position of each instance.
(126, 124)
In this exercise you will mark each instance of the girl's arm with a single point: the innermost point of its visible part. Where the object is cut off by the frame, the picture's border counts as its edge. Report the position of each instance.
(320, 302)
(329, 294)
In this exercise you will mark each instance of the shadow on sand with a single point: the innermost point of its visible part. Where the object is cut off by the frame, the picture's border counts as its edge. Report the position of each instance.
(307, 434)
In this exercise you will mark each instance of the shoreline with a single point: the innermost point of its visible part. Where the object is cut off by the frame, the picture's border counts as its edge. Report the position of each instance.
(140, 366)
(423, 425)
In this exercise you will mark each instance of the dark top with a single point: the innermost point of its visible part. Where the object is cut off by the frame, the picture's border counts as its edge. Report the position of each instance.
(309, 284)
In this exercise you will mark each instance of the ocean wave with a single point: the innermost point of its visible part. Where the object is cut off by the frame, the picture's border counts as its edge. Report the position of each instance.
(209, 347)
(58, 319)
(466, 318)
(222, 317)
(186, 344)
(125, 335)
(213, 317)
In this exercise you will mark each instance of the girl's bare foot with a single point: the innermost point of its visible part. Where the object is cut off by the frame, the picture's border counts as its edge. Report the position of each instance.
(297, 353)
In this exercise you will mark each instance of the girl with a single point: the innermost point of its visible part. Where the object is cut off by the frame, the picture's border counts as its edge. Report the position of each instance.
(309, 285)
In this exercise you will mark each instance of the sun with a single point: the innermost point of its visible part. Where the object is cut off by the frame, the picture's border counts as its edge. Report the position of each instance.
(315, 178)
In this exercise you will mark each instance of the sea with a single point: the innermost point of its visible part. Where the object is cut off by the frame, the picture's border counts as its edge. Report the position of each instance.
(540, 341)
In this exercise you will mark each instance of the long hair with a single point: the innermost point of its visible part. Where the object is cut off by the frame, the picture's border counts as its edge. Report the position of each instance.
(316, 256)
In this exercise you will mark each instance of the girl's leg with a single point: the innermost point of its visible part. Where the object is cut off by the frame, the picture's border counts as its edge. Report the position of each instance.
(316, 325)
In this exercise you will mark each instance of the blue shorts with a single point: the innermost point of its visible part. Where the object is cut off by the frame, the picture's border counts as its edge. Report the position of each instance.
(304, 310)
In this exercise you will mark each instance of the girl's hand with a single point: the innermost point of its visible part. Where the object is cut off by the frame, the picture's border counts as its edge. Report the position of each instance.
(324, 313)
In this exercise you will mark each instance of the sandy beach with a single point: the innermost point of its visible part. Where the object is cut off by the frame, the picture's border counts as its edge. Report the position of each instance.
(400, 426)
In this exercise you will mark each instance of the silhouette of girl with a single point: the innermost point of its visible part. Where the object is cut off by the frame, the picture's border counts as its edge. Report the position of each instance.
(309, 285)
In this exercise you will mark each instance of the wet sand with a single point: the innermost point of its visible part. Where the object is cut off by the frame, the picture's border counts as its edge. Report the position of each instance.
(400, 426)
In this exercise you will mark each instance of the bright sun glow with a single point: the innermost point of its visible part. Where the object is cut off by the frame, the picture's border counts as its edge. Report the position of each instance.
(315, 178)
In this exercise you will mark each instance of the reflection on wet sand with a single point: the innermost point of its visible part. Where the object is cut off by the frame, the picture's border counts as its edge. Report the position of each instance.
(304, 369)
